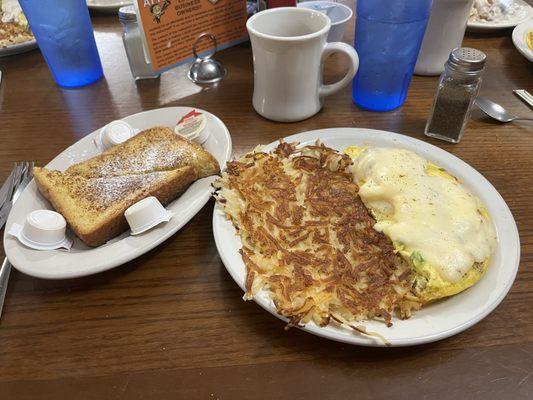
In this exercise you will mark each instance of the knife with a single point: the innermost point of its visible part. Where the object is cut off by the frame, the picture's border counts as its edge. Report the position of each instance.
(8, 201)
(525, 96)
(5, 269)
(7, 187)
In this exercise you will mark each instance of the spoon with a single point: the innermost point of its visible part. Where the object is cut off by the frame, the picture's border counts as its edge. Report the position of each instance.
(496, 111)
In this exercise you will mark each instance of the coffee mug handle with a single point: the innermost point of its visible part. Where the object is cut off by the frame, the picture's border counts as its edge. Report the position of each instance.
(330, 48)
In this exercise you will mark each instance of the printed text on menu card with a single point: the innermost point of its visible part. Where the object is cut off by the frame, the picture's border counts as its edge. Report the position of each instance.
(172, 26)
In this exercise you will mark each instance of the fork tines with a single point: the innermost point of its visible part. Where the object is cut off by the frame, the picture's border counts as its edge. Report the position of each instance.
(23, 171)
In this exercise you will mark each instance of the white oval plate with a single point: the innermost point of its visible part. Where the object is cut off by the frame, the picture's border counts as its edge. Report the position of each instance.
(18, 48)
(524, 12)
(434, 322)
(519, 38)
(107, 6)
(83, 260)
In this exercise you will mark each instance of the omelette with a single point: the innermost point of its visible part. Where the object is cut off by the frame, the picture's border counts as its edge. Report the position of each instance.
(441, 229)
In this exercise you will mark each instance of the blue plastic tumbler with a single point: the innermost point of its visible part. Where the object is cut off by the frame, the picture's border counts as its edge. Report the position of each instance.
(65, 36)
(388, 35)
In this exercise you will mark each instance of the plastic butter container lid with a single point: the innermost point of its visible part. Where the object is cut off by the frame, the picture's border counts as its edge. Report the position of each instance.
(42, 230)
(193, 126)
(146, 214)
(116, 132)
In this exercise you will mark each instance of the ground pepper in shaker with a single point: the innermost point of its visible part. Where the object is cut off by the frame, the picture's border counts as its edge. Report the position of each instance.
(456, 92)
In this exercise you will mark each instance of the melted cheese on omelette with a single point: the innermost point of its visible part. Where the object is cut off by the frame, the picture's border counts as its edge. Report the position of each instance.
(426, 212)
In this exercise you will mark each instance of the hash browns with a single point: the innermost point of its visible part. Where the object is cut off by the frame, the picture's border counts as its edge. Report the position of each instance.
(12, 33)
(308, 239)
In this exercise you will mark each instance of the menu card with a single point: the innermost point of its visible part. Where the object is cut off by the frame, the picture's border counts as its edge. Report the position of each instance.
(171, 27)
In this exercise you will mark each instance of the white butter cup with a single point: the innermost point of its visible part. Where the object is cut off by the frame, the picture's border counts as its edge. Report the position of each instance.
(116, 132)
(203, 135)
(145, 215)
(44, 229)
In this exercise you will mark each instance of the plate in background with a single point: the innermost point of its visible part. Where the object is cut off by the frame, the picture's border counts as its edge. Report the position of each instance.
(436, 321)
(523, 14)
(18, 48)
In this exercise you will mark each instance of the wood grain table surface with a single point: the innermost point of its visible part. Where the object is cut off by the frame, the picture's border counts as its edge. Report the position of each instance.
(172, 324)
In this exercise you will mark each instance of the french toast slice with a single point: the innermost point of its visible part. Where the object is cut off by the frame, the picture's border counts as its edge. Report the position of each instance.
(155, 149)
(94, 206)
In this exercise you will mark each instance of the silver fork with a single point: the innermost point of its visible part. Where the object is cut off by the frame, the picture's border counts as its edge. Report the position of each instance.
(24, 178)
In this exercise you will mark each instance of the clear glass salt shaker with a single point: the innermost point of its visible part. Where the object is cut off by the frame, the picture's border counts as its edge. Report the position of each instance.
(140, 67)
(458, 87)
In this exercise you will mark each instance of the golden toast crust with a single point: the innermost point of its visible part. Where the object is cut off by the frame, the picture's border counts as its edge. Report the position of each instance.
(93, 223)
(155, 149)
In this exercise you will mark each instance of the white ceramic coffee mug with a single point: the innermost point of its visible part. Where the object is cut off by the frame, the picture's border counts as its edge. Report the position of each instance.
(289, 48)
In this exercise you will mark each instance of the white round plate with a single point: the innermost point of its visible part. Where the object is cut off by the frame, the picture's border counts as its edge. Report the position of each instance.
(18, 48)
(523, 14)
(82, 260)
(436, 321)
(519, 38)
(107, 6)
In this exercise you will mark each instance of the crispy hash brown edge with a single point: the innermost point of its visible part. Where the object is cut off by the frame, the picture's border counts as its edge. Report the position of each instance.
(270, 215)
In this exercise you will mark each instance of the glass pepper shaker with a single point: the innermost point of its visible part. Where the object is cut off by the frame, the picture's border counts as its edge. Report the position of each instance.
(458, 87)
(140, 67)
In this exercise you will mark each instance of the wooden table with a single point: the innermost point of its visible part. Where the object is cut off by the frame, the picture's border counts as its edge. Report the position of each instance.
(172, 324)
